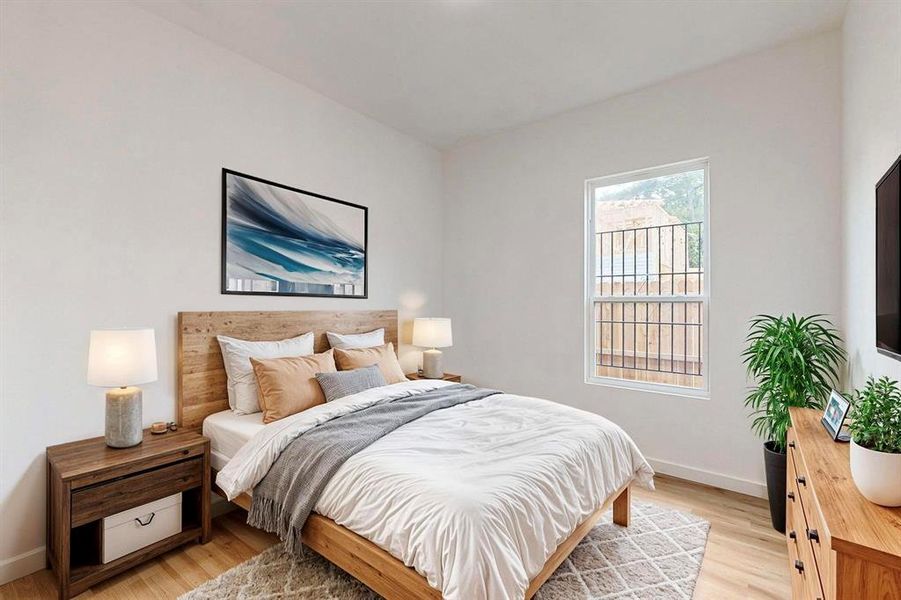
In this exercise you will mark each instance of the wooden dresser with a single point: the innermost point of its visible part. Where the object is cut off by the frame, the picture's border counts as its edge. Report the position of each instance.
(840, 545)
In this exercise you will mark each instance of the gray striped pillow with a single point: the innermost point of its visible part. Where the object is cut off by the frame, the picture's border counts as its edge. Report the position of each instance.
(344, 383)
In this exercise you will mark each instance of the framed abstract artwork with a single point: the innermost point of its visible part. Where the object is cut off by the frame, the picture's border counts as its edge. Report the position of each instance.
(283, 241)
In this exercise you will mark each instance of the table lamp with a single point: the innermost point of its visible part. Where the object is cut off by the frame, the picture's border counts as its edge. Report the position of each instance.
(432, 333)
(121, 359)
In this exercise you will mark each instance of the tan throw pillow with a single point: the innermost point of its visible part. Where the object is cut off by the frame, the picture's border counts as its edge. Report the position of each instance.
(383, 356)
(288, 385)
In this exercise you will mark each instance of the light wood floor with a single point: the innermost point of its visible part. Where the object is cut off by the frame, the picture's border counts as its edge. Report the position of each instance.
(745, 557)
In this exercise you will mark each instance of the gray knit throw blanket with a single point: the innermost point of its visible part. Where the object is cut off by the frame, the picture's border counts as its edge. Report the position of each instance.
(284, 499)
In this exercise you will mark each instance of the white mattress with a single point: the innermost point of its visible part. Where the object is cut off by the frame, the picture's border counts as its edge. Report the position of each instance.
(229, 431)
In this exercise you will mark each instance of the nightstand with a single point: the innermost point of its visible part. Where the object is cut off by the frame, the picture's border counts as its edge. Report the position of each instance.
(87, 482)
(447, 377)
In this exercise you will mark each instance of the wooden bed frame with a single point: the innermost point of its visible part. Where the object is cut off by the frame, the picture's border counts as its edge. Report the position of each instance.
(202, 391)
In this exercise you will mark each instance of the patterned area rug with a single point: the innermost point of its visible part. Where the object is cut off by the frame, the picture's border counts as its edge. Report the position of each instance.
(657, 557)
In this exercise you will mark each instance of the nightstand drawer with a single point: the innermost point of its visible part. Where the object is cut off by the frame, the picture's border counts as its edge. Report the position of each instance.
(140, 527)
(102, 500)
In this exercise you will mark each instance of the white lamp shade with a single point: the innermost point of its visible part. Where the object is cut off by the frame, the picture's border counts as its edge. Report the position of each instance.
(122, 357)
(432, 333)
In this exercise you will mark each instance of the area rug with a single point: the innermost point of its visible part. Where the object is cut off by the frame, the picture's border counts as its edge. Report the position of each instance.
(657, 557)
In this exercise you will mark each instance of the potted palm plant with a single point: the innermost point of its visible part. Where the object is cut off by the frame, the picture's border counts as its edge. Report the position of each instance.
(794, 361)
(876, 441)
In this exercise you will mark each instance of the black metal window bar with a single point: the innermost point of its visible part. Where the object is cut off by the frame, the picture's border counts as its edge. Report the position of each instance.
(649, 299)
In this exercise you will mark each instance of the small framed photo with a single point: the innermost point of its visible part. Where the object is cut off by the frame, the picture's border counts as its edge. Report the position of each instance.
(834, 417)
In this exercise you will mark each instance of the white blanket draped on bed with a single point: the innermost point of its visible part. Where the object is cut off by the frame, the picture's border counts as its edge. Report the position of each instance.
(474, 497)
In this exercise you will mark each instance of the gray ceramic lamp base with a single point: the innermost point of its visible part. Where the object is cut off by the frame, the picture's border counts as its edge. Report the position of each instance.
(431, 364)
(124, 418)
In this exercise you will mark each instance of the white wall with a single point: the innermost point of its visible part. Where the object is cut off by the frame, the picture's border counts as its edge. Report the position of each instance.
(115, 125)
(769, 123)
(871, 142)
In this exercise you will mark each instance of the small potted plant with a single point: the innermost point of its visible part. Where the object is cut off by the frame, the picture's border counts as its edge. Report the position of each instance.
(795, 362)
(876, 441)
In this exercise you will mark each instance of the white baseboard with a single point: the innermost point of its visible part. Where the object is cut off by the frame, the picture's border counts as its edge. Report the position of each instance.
(726, 482)
(21, 565)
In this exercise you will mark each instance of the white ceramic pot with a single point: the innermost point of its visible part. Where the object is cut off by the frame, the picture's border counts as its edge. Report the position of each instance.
(877, 475)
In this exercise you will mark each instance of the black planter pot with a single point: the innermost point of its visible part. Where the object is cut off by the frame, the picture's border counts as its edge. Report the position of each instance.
(775, 484)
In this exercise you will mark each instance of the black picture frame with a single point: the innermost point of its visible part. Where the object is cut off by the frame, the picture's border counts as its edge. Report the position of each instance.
(224, 239)
(833, 419)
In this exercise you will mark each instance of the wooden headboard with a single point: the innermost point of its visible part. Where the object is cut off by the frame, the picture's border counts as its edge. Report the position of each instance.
(201, 374)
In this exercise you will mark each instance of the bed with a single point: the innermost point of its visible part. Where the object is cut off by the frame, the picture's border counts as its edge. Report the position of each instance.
(544, 533)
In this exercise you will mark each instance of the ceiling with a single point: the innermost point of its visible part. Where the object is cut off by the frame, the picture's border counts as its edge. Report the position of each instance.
(446, 70)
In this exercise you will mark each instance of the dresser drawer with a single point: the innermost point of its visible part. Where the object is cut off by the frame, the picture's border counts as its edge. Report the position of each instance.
(804, 573)
(813, 533)
(798, 506)
(813, 590)
(793, 497)
(794, 535)
(104, 499)
(817, 538)
(797, 579)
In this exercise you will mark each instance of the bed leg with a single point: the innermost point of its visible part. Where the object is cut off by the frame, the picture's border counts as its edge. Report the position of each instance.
(622, 507)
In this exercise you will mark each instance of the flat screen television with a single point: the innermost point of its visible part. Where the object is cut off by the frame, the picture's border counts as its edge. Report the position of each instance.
(888, 262)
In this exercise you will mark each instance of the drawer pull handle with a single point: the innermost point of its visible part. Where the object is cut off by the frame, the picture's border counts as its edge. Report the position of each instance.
(791, 444)
(792, 535)
(791, 496)
(149, 520)
(814, 535)
(802, 480)
(799, 566)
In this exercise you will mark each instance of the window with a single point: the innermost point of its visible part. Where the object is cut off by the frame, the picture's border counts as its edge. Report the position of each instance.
(647, 278)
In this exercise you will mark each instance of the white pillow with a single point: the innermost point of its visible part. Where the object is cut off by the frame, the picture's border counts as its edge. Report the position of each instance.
(242, 383)
(349, 341)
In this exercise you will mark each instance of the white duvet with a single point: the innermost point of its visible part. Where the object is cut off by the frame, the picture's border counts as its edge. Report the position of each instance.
(475, 497)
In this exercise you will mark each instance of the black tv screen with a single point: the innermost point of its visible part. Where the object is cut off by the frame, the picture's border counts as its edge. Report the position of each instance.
(888, 262)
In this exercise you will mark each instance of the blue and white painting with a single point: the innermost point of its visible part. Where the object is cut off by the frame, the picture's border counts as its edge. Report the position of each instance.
(284, 241)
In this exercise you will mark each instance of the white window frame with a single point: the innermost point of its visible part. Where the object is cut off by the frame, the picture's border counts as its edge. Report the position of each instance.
(590, 284)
